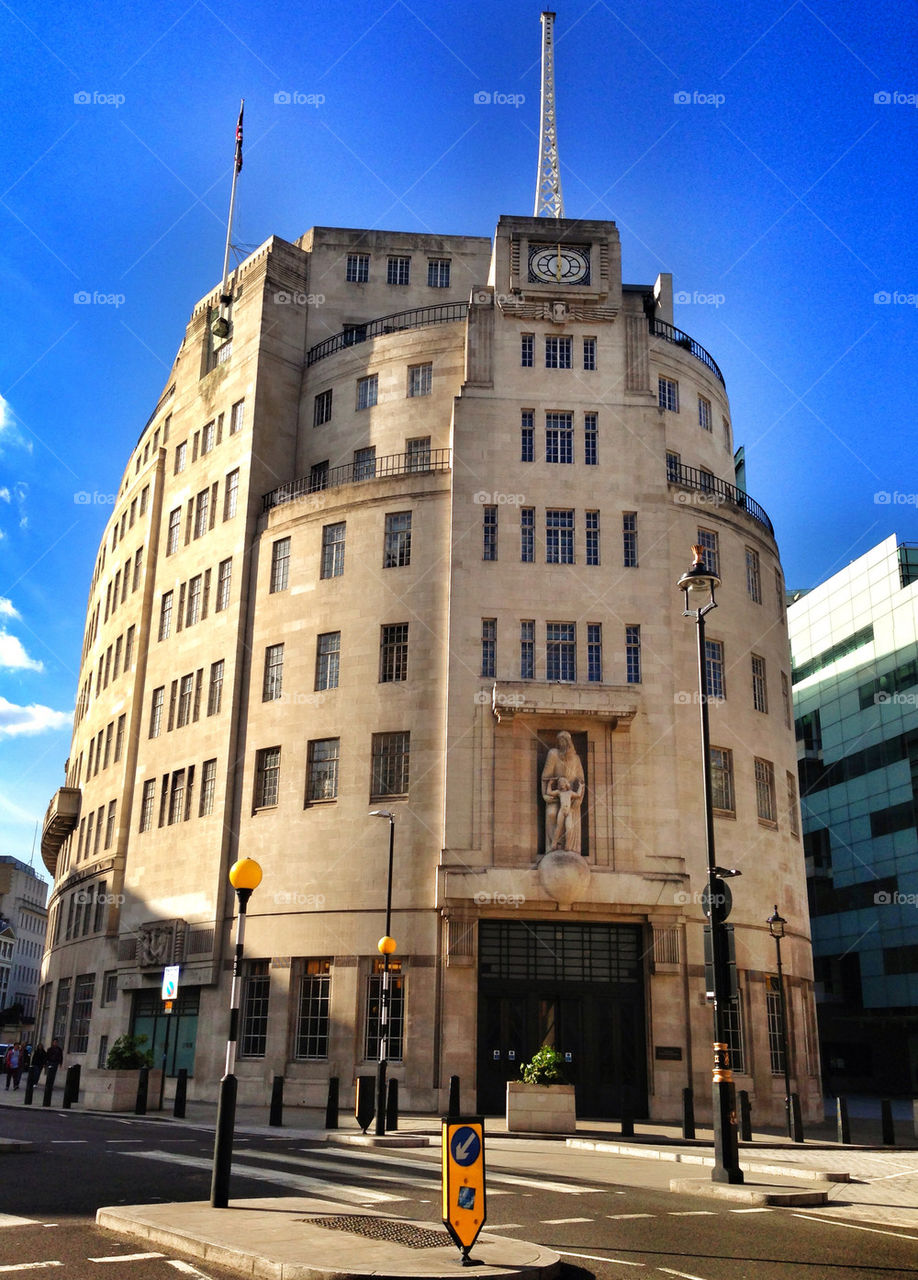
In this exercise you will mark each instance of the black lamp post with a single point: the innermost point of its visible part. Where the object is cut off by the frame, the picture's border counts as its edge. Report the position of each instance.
(698, 584)
(244, 876)
(386, 947)
(776, 925)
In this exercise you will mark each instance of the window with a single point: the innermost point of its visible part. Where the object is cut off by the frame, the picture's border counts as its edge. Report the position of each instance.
(417, 453)
(215, 688)
(128, 648)
(592, 537)
(397, 270)
(722, 780)
(146, 804)
(208, 786)
(156, 711)
(318, 476)
(274, 673)
(367, 391)
(489, 647)
(322, 770)
(629, 539)
(110, 823)
(527, 436)
(365, 463)
(594, 652)
(561, 651)
(62, 1008)
(707, 479)
(172, 537)
(358, 268)
(267, 776)
(312, 1009)
(765, 792)
(558, 353)
(165, 616)
(322, 408)
(792, 818)
(559, 537)
(181, 452)
(779, 593)
(177, 797)
(256, 990)
(420, 379)
(332, 550)
(138, 566)
(393, 653)
(589, 438)
(704, 414)
(527, 535)
(786, 699)
(109, 988)
(489, 533)
(201, 513)
(438, 273)
(775, 1025)
(195, 590)
(668, 394)
(527, 342)
(559, 437)
(231, 494)
(632, 654)
(224, 579)
(527, 649)
(237, 414)
(354, 333)
(186, 689)
(714, 668)
(673, 467)
(396, 1011)
(208, 437)
(328, 656)
(144, 499)
(753, 575)
(733, 1034)
(280, 565)
(119, 738)
(726, 427)
(397, 546)
(707, 540)
(759, 688)
(82, 1012)
(589, 354)
(390, 765)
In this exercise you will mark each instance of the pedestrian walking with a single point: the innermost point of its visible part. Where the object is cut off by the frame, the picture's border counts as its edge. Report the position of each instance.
(36, 1064)
(54, 1056)
(13, 1064)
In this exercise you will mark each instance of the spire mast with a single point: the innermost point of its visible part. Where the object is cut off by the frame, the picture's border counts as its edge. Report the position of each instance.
(237, 165)
(549, 202)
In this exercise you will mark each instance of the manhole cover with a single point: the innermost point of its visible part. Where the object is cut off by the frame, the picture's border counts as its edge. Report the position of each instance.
(383, 1229)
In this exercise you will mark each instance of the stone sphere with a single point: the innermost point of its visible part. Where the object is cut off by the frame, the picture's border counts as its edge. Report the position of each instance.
(565, 876)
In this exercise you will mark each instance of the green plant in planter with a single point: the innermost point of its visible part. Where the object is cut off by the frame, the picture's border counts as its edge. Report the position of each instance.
(546, 1067)
(126, 1054)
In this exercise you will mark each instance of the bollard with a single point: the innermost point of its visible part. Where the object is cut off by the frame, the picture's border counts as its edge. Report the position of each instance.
(143, 1082)
(453, 1108)
(276, 1118)
(181, 1092)
(745, 1116)
(29, 1089)
(71, 1086)
(365, 1108)
(886, 1121)
(796, 1118)
(392, 1106)
(331, 1106)
(50, 1073)
(842, 1128)
(627, 1118)
(688, 1113)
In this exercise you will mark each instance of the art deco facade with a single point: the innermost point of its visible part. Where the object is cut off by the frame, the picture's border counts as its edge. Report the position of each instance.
(409, 507)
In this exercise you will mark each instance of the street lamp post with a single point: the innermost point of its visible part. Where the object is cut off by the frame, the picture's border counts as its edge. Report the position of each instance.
(244, 876)
(776, 925)
(386, 947)
(698, 584)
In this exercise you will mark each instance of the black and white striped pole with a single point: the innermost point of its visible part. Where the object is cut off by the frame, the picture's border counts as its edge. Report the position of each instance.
(244, 876)
(386, 947)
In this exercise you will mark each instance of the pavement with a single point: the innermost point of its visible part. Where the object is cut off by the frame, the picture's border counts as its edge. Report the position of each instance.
(271, 1237)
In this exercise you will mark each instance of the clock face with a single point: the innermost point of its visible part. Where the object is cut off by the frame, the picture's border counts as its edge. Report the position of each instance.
(559, 264)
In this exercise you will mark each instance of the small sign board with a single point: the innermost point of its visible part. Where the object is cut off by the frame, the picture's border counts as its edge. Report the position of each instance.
(464, 1209)
(668, 1053)
(170, 981)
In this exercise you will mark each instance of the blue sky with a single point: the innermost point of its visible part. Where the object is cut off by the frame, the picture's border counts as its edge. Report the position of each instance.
(763, 153)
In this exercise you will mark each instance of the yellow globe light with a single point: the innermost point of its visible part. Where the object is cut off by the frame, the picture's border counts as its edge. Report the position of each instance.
(386, 945)
(245, 874)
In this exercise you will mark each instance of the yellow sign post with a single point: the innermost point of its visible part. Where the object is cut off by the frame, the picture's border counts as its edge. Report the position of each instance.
(464, 1207)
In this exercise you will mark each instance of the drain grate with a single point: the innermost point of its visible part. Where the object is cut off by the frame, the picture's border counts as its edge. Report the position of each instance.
(383, 1229)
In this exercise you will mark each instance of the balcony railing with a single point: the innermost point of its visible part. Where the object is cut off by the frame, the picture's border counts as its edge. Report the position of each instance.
(717, 493)
(416, 318)
(394, 464)
(660, 329)
(61, 817)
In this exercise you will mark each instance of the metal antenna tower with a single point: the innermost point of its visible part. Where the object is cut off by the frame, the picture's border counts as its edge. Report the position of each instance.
(549, 202)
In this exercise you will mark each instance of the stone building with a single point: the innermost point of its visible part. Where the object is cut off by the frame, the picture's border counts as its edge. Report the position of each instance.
(409, 507)
(23, 912)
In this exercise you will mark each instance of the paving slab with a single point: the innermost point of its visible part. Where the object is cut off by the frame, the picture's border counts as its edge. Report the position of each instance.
(272, 1239)
(681, 1156)
(12, 1147)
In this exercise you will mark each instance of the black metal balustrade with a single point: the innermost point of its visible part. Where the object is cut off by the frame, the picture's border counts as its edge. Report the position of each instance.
(717, 492)
(416, 318)
(394, 464)
(660, 329)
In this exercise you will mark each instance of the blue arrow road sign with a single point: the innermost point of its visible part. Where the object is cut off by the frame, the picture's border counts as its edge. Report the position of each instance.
(465, 1146)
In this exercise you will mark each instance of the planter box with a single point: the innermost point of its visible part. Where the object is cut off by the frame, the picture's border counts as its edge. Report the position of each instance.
(103, 1090)
(540, 1108)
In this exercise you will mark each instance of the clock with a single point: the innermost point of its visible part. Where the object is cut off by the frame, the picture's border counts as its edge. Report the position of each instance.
(559, 264)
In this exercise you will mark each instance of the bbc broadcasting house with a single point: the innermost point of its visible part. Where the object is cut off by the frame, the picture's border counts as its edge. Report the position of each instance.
(402, 534)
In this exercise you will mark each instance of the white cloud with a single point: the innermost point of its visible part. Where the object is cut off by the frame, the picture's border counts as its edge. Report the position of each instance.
(15, 721)
(7, 608)
(13, 656)
(4, 495)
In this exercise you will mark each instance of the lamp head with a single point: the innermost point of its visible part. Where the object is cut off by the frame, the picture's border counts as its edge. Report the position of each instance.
(245, 874)
(698, 583)
(776, 924)
(386, 945)
(382, 813)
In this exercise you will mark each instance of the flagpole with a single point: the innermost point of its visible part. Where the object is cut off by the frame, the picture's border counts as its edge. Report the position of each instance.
(237, 165)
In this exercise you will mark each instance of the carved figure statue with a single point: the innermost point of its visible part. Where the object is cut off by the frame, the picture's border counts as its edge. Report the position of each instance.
(563, 789)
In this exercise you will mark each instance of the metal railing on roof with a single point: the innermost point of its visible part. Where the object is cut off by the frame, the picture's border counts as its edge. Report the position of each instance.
(416, 318)
(322, 478)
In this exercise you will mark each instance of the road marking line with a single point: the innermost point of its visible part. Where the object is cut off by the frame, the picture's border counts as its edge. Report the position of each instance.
(901, 1174)
(686, 1275)
(326, 1190)
(854, 1226)
(689, 1213)
(10, 1220)
(432, 1165)
(68, 1142)
(630, 1215)
(185, 1267)
(595, 1257)
(126, 1257)
(763, 1209)
(506, 1226)
(30, 1266)
(557, 1222)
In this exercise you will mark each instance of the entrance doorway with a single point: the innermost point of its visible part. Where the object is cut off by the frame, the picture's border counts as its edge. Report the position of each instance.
(170, 1034)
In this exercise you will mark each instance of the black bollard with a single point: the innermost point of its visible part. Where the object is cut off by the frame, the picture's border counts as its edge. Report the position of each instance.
(392, 1106)
(745, 1116)
(50, 1073)
(886, 1122)
(627, 1118)
(796, 1118)
(842, 1127)
(688, 1113)
(71, 1086)
(143, 1084)
(453, 1109)
(181, 1092)
(29, 1088)
(331, 1106)
(276, 1116)
(365, 1108)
